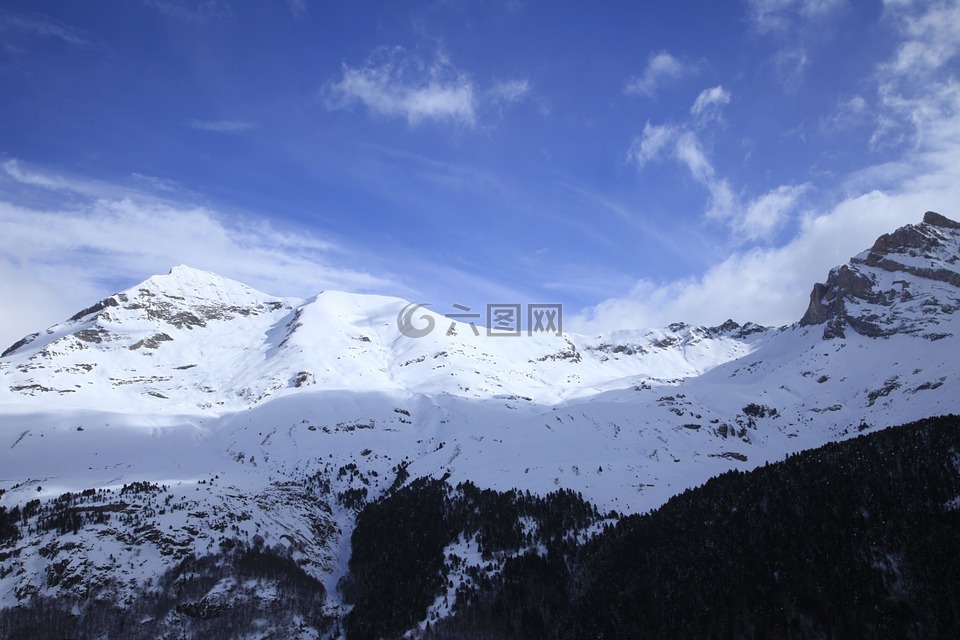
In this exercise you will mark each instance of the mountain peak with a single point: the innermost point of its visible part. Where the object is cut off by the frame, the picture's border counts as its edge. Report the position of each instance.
(197, 284)
(183, 299)
(182, 288)
(892, 287)
(937, 220)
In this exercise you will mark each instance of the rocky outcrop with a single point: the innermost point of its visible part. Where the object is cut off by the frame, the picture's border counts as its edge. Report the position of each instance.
(937, 220)
(926, 241)
(863, 296)
(19, 343)
(97, 308)
(828, 300)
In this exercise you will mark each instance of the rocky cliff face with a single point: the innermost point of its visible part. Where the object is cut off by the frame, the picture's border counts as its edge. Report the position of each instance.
(901, 285)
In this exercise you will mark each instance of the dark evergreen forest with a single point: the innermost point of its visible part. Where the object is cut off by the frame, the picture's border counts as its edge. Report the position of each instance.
(857, 539)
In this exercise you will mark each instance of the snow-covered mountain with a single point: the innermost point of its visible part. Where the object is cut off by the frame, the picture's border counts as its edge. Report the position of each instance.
(193, 410)
(208, 345)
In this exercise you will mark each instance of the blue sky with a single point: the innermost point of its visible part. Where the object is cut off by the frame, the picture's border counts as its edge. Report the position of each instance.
(639, 162)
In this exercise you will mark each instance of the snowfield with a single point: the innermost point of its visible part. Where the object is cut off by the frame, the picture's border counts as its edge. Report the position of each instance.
(254, 415)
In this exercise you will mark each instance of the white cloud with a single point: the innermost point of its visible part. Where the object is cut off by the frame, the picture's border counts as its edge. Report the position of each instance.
(849, 111)
(919, 106)
(757, 220)
(98, 237)
(509, 91)
(792, 23)
(708, 103)
(932, 37)
(780, 15)
(13, 169)
(817, 8)
(660, 68)
(790, 65)
(770, 15)
(395, 84)
(768, 285)
(689, 151)
(222, 126)
(649, 146)
(768, 213)
(682, 143)
(918, 89)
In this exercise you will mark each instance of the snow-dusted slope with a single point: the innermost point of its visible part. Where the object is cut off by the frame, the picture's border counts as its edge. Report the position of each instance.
(278, 417)
(194, 342)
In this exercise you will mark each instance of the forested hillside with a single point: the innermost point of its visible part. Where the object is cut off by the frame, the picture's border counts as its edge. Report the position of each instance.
(854, 539)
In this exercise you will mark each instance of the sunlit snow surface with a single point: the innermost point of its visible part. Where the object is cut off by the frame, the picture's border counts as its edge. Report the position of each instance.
(241, 402)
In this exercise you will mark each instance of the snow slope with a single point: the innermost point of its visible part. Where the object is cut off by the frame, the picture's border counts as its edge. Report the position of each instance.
(278, 417)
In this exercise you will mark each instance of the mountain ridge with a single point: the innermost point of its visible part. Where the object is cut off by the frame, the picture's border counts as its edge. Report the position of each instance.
(158, 330)
(913, 254)
(278, 419)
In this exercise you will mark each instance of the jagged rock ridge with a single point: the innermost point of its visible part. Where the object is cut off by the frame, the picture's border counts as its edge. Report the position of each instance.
(903, 284)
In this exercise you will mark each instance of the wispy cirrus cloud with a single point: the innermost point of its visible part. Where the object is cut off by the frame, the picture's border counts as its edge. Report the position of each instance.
(918, 89)
(751, 220)
(710, 101)
(109, 237)
(849, 111)
(931, 36)
(769, 16)
(509, 91)
(792, 24)
(395, 84)
(222, 126)
(651, 143)
(661, 68)
(43, 27)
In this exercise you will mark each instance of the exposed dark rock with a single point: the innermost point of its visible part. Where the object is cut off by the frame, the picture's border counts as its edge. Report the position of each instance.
(90, 335)
(153, 342)
(19, 343)
(828, 300)
(937, 220)
(570, 353)
(851, 296)
(736, 330)
(100, 306)
(185, 320)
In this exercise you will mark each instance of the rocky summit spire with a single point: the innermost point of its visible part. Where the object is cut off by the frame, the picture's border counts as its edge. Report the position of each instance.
(937, 220)
(899, 286)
